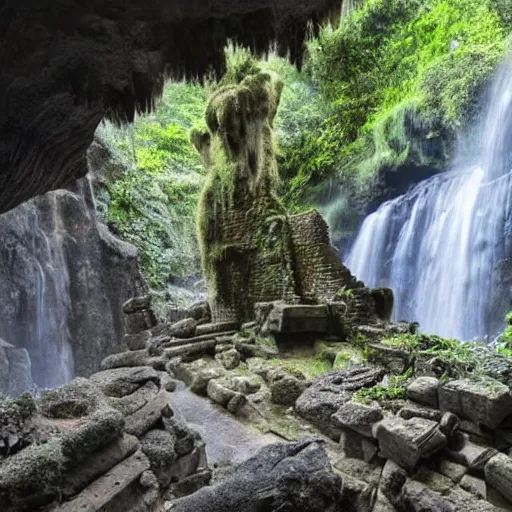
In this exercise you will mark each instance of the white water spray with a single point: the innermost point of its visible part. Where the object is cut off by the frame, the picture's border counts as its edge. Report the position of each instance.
(439, 245)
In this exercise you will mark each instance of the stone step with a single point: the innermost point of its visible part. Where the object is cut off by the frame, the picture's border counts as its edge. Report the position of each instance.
(179, 342)
(216, 328)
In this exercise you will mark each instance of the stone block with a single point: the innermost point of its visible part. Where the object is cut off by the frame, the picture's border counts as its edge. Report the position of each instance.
(286, 390)
(396, 361)
(125, 359)
(474, 485)
(451, 470)
(292, 319)
(392, 479)
(200, 381)
(407, 441)
(417, 497)
(351, 444)
(423, 390)
(486, 401)
(185, 328)
(358, 417)
(471, 455)
(158, 446)
(98, 464)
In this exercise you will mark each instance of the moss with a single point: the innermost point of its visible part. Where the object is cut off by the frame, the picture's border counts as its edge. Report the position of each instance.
(32, 477)
(388, 398)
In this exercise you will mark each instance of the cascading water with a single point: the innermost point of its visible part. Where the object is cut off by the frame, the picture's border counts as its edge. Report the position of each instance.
(439, 246)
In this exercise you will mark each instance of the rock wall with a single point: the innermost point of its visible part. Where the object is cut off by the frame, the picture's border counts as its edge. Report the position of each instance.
(64, 279)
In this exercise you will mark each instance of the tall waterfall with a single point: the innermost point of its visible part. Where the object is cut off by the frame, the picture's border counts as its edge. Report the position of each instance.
(441, 245)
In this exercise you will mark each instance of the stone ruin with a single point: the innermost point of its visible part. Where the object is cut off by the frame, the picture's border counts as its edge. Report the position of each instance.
(253, 251)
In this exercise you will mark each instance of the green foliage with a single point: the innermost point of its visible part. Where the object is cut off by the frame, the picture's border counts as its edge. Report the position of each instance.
(155, 190)
(379, 394)
(400, 72)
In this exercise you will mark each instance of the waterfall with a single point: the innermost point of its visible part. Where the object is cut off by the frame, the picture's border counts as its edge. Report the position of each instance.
(440, 246)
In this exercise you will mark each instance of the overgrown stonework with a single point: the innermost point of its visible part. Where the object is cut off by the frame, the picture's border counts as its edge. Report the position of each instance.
(252, 250)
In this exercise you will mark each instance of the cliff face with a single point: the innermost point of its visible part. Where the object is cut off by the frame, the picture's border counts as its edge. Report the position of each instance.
(63, 280)
(65, 65)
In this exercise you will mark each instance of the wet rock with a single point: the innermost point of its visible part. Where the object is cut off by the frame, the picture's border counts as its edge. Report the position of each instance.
(102, 428)
(280, 477)
(78, 398)
(139, 341)
(423, 390)
(120, 382)
(230, 359)
(416, 497)
(185, 328)
(407, 441)
(358, 417)
(330, 391)
(486, 401)
(158, 446)
(498, 474)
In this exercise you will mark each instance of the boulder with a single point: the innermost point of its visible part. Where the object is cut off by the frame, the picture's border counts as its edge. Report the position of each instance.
(358, 417)
(486, 401)
(286, 389)
(330, 391)
(102, 428)
(120, 382)
(230, 359)
(498, 474)
(294, 476)
(158, 446)
(407, 441)
(245, 385)
(185, 328)
(32, 477)
(423, 390)
(200, 381)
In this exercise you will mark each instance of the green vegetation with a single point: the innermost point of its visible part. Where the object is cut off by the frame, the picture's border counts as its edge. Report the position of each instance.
(153, 183)
(400, 72)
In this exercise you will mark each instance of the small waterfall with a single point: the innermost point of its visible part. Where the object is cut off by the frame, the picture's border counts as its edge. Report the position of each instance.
(440, 245)
(51, 354)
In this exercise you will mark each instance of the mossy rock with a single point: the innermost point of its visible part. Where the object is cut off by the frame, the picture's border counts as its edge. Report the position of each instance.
(32, 477)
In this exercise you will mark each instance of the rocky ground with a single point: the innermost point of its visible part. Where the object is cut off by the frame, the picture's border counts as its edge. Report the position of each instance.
(317, 425)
